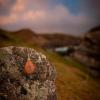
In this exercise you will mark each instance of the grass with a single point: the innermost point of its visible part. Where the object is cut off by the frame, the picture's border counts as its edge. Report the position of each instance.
(72, 82)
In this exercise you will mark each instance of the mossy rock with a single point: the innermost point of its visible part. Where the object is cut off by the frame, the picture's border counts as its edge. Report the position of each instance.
(16, 85)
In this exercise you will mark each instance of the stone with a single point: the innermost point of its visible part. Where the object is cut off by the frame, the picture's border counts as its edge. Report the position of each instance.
(88, 52)
(16, 85)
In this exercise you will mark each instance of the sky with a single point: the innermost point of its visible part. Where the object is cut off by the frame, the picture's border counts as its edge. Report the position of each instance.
(48, 16)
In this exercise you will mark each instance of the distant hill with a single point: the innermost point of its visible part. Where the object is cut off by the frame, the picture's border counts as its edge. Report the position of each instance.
(44, 40)
(21, 37)
(58, 40)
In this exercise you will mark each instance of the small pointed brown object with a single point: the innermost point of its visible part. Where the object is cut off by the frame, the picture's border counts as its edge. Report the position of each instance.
(29, 67)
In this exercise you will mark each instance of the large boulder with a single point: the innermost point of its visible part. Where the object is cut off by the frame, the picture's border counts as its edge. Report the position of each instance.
(16, 85)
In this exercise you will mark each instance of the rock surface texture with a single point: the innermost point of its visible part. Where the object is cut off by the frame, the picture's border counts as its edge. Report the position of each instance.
(16, 85)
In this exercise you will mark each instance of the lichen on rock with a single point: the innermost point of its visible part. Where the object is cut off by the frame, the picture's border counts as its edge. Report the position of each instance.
(15, 84)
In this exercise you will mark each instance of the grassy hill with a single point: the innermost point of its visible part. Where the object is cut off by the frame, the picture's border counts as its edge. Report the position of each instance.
(21, 37)
(44, 40)
(72, 81)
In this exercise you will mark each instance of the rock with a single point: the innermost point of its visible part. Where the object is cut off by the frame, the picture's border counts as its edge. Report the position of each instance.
(16, 85)
(88, 51)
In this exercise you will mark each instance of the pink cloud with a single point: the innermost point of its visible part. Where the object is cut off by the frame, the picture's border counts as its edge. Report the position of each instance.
(33, 16)
(19, 6)
(3, 2)
(6, 20)
(58, 15)
(38, 16)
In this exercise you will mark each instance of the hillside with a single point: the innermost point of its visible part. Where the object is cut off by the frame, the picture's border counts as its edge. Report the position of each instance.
(72, 80)
(23, 36)
(88, 52)
(58, 40)
(44, 40)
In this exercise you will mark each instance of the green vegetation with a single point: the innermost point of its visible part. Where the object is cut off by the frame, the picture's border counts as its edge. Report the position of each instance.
(72, 82)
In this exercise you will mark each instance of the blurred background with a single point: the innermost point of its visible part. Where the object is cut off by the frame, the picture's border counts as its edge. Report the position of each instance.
(67, 32)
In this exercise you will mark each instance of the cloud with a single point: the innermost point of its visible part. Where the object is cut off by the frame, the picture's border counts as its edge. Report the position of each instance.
(95, 8)
(2, 2)
(44, 16)
(6, 6)
(57, 20)
(19, 6)
(33, 16)
(6, 20)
